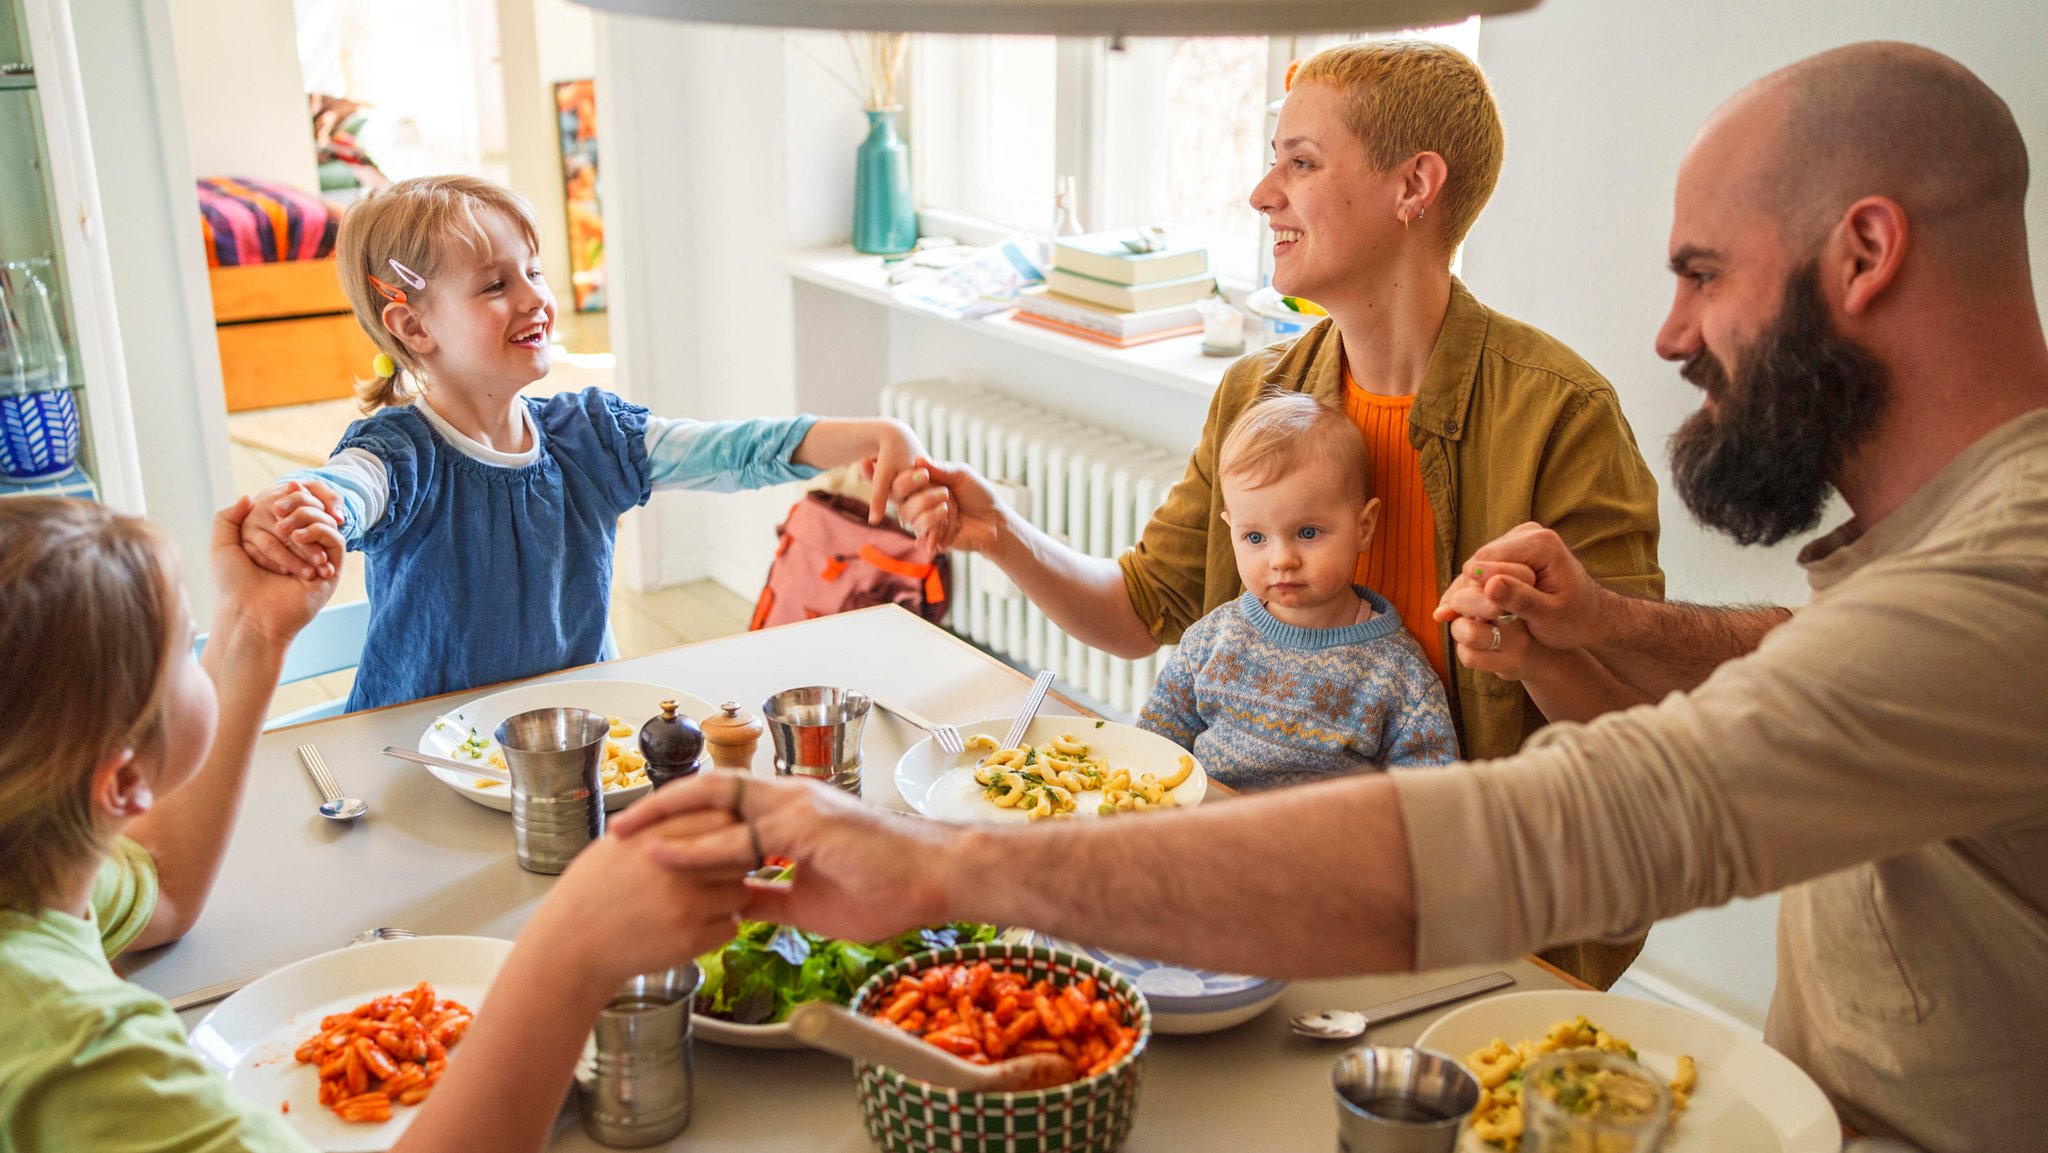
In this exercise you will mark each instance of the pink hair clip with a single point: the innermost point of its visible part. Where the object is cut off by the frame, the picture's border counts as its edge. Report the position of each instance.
(412, 279)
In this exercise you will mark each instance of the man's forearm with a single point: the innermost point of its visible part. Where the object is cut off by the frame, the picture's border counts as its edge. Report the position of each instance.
(1663, 647)
(1216, 886)
(1083, 594)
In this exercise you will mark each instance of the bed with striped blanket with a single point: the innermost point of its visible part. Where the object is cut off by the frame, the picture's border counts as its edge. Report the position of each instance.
(285, 330)
(257, 222)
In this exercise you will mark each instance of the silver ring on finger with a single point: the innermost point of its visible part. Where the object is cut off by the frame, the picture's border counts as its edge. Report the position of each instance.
(1495, 646)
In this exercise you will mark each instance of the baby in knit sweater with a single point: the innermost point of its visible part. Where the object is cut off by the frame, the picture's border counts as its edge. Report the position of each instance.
(1307, 675)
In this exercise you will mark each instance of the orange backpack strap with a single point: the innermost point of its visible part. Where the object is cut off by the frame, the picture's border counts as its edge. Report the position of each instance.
(934, 588)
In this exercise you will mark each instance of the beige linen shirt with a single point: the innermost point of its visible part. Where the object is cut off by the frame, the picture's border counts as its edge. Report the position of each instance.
(1882, 757)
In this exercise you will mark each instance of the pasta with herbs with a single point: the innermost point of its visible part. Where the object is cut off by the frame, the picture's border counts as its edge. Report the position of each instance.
(1044, 781)
(1500, 1068)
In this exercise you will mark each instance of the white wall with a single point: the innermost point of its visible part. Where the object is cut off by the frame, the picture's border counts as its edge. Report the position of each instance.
(130, 74)
(245, 104)
(541, 42)
(1601, 98)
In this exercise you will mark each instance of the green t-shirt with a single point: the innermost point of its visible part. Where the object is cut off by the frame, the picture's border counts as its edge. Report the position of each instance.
(92, 1064)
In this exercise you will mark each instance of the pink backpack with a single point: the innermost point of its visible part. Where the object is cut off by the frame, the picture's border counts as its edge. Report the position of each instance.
(829, 559)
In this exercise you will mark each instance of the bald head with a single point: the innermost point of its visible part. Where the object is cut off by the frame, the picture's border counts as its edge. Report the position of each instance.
(1892, 120)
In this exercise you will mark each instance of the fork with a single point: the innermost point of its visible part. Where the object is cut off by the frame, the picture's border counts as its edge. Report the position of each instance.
(947, 737)
(1030, 710)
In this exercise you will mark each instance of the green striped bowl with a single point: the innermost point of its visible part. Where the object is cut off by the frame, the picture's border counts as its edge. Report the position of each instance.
(1092, 1115)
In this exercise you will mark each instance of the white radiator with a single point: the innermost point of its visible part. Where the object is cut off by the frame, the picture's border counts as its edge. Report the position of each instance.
(1081, 485)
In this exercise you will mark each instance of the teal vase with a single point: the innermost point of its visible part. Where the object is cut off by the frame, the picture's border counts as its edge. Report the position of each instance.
(884, 218)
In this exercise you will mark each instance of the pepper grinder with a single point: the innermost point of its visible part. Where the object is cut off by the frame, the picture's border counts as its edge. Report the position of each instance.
(732, 734)
(672, 744)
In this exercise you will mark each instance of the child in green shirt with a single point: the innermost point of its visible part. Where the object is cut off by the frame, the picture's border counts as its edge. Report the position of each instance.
(122, 760)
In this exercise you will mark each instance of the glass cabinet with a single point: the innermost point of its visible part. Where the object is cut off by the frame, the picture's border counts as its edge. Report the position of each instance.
(62, 389)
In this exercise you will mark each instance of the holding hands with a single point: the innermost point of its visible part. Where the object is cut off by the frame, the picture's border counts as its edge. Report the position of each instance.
(863, 873)
(294, 529)
(1524, 609)
(950, 503)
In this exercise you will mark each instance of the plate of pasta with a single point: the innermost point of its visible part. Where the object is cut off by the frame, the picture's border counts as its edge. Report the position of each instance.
(464, 734)
(1065, 767)
(1729, 1090)
(420, 992)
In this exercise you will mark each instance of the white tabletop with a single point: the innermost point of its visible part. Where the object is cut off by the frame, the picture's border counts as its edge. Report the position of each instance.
(294, 885)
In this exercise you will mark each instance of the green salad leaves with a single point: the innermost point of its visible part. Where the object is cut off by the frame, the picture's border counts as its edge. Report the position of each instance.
(769, 969)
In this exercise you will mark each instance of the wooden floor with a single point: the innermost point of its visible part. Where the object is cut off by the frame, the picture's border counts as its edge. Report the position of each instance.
(643, 622)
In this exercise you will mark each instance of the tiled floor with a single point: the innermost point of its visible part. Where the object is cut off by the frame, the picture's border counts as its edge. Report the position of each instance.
(643, 622)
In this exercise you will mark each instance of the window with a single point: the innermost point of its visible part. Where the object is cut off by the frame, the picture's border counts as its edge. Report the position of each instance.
(1171, 131)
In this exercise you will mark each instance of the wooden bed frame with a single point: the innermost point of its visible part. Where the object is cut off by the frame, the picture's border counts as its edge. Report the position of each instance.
(286, 334)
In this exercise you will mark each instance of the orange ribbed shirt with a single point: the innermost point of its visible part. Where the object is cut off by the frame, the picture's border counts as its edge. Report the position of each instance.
(1401, 564)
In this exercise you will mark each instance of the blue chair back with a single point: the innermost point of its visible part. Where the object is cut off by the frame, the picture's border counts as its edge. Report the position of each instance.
(331, 643)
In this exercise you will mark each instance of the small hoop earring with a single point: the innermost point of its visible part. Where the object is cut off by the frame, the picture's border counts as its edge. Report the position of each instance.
(1404, 220)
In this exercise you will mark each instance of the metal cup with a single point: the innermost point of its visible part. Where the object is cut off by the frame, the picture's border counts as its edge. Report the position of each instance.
(557, 801)
(1396, 1099)
(634, 1079)
(816, 732)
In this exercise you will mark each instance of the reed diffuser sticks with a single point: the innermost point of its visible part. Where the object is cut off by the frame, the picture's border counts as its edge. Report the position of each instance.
(878, 61)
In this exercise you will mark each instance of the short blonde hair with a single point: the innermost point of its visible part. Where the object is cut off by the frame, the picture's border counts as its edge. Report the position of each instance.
(1403, 97)
(87, 601)
(426, 224)
(1285, 431)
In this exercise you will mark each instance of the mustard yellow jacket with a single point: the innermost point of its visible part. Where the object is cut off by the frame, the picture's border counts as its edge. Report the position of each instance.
(1512, 426)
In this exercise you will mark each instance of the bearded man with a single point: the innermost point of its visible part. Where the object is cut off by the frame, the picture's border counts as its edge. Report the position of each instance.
(1855, 301)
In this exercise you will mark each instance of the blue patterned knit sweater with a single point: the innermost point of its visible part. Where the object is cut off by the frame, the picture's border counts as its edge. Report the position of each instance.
(1264, 703)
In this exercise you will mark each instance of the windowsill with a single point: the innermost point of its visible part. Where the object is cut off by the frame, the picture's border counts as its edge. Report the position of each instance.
(1177, 364)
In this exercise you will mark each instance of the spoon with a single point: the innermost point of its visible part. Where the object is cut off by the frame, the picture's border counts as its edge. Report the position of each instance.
(837, 1029)
(478, 770)
(1342, 1024)
(333, 805)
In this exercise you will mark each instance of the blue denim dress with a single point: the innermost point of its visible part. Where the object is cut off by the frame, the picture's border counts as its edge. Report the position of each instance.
(480, 573)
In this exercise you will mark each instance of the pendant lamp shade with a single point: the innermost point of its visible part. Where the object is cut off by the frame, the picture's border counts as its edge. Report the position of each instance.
(1073, 17)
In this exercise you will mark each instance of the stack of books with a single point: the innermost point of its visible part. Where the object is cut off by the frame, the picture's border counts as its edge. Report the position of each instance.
(1099, 290)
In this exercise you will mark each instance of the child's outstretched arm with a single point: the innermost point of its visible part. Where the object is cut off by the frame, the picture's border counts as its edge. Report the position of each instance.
(887, 447)
(186, 832)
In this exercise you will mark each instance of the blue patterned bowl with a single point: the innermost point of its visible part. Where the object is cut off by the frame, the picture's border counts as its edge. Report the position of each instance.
(39, 434)
(1188, 1000)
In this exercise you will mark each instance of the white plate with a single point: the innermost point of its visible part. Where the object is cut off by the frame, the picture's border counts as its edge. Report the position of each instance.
(941, 785)
(776, 1036)
(633, 702)
(251, 1036)
(1750, 1097)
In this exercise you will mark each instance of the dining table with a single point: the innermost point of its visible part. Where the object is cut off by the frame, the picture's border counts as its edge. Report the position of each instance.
(295, 884)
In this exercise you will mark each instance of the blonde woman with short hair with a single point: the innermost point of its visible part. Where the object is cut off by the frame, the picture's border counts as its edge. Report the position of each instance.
(1386, 152)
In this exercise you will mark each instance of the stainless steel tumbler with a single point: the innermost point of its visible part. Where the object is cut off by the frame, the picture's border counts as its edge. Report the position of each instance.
(1396, 1099)
(553, 756)
(816, 731)
(634, 1080)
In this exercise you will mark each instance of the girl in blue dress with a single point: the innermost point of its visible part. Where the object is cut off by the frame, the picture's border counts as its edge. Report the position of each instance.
(488, 518)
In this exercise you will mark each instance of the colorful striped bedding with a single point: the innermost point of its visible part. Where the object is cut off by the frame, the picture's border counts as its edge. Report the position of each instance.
(256, 222)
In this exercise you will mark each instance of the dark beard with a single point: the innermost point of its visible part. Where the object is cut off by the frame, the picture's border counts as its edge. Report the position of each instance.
(1758, 464)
